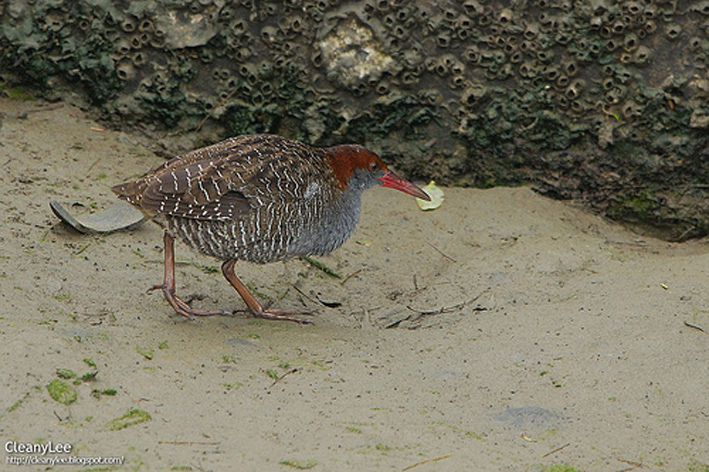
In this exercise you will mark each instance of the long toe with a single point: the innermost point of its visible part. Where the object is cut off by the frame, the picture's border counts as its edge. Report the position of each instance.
(192, 312)
(283, 315)
(184, 308)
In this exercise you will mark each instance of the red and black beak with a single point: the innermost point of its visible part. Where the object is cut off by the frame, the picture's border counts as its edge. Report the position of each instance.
(392, 180)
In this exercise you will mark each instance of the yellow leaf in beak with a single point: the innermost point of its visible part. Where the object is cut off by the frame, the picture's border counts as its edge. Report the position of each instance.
(436, 195)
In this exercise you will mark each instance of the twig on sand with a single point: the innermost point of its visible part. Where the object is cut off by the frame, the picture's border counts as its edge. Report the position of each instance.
(350, 275)
(635, 465)
(447, 309)
(190, 443)
(693, 326)
(435, 459)
(305, 294)
(417, 314)
(280, 377)
(556, 450)
(93, 165)
(441, 252)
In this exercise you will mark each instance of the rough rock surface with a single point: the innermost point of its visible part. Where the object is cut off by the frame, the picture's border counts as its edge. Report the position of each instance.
(605, 102)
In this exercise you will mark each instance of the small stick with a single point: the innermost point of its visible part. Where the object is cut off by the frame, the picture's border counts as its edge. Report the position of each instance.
(447, 309)
(279, 378)
(351, 274)
(684, 234)
(92, 165)
(190, 443)
(435, 459)
(693, 326)
(556, 450)
(82, 248)
(636, 464)
(441, 252)
(305, 294)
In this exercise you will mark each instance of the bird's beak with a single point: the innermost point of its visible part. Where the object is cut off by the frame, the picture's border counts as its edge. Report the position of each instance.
(392, 180)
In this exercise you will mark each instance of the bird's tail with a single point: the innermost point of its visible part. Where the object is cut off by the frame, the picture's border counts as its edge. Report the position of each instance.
(132, 192)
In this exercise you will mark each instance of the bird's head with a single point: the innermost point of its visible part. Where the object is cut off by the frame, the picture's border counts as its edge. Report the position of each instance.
(355, 166)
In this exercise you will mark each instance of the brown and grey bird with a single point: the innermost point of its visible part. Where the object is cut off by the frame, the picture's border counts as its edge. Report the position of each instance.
(258, 198)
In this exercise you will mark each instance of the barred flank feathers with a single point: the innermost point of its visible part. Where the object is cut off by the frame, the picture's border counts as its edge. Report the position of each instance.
(259, 198)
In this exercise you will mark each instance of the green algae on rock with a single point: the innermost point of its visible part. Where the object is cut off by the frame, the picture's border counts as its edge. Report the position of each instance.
(598, 101)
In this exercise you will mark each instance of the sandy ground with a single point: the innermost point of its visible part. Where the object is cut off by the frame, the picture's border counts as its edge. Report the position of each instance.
(502, 332)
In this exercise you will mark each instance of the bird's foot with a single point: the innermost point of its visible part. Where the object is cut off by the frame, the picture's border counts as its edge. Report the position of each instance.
(184, 308)
(279, 314)
(256, 308)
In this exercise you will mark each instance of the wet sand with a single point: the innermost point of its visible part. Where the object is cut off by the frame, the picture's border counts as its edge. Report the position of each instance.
(502, 332)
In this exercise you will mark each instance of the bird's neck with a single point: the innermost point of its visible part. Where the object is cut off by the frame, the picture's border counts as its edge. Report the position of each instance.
(339, 220)
(341, 162)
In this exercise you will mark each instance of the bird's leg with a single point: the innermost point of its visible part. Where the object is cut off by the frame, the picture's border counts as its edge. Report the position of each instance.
(168, 286)
(253, 305)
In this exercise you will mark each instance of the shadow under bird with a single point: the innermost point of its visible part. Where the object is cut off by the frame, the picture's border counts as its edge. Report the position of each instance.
(258, 198)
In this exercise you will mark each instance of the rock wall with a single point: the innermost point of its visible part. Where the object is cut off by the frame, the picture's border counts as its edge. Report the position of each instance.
(602, 101)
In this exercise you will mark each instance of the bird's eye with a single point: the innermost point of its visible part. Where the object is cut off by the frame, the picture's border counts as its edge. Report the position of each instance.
(373, 166)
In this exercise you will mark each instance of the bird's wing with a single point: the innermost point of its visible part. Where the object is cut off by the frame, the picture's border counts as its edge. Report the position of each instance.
(196, 185)
(227, 180)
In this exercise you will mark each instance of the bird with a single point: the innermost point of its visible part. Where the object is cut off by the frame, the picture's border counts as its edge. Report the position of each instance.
(259, 198)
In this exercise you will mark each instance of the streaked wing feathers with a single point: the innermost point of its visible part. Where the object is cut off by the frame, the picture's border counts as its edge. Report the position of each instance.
(225, 180)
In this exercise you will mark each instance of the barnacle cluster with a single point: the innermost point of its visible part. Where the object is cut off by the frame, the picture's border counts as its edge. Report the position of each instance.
(505, 88)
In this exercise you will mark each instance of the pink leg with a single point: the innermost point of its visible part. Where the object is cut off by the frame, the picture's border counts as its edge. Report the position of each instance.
(254, 306)
(168, 286)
